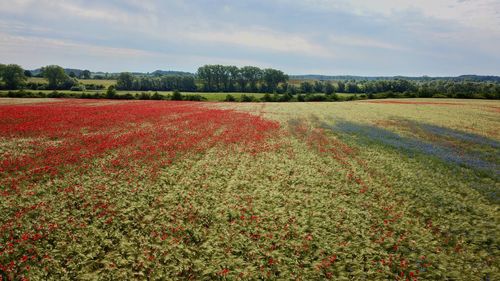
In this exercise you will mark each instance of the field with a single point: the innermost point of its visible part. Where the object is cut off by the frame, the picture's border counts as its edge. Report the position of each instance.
(104, 82)
(401, 189)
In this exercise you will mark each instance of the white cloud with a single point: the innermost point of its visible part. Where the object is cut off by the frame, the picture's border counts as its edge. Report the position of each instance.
(264, 39)
(42, 51)
(364, 42)
(482, 14)
(13, 44)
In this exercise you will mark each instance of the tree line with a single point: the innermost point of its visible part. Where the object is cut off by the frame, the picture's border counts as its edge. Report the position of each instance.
(403, 88)
(210, 78)
(220, 78)
(129, 82)
(15, 77)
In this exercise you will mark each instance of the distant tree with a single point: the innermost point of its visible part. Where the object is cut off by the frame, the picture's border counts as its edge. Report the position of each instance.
(207, 76)
(111, 92)
(72, 74)
(272, 78)
(12, 75)
(352, 87)
(28, 73)
(329, 88)
(125, 81)
(318, 87)
(55, 75)
(306, 87)
(291, 89)
(341, 87)
(85, 74)
(233, 74)
(250, 75)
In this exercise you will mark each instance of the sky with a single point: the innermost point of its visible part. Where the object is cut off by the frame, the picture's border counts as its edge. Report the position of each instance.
(331, 37)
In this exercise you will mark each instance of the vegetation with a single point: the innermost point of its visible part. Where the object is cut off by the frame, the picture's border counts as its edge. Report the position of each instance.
(12, 75)
(57, 78)
(248, 79)
(365, 190)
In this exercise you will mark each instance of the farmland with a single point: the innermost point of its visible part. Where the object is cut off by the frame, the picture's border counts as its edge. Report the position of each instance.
(389, 189)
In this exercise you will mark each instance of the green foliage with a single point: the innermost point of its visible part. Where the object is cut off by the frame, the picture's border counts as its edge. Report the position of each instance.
(329, 88)
(156, 96)
(194, 98)
(247, 98)
(230, 98)
(111, 92)
(176, 95)
(56, 77)
(125, 81)
(12, 76)
(220, 78)
(85, 74)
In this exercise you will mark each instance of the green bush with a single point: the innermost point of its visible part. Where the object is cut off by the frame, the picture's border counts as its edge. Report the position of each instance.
(194, 98)
(176, 95)
(246, 98)
(230, 98)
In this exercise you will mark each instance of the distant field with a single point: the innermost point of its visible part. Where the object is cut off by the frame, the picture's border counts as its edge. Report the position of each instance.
(105, 83)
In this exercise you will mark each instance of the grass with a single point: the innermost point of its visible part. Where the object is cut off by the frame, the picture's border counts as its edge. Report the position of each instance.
(105, 83)
(165, 190)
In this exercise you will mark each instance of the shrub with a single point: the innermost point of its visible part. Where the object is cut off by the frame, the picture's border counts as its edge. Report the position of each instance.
(246, 98)
(79, 88)
(55, 94)
(194, 98)
(111, 92)
(316, 98)
(285, 97)
(267, 98)
(144, 96)
(176, 95)
(230, 98)
(156, 96)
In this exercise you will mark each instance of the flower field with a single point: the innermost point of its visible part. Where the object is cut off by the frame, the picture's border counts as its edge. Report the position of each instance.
(165, 190)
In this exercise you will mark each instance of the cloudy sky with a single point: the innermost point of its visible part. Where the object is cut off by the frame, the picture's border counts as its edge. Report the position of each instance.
(359, 37)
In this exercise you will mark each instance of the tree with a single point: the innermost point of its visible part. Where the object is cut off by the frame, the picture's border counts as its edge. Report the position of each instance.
(250, 75)
(341, 87)
(125, 81)
(72, 74)
(306, 87)
(55, 75)
(233, 73)
(12, 75)
(85, 74)
(28, 73)
(351, 87)
(318, 87)
(272, 78)
(206, 75)
(111, 92)
(329, 89)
